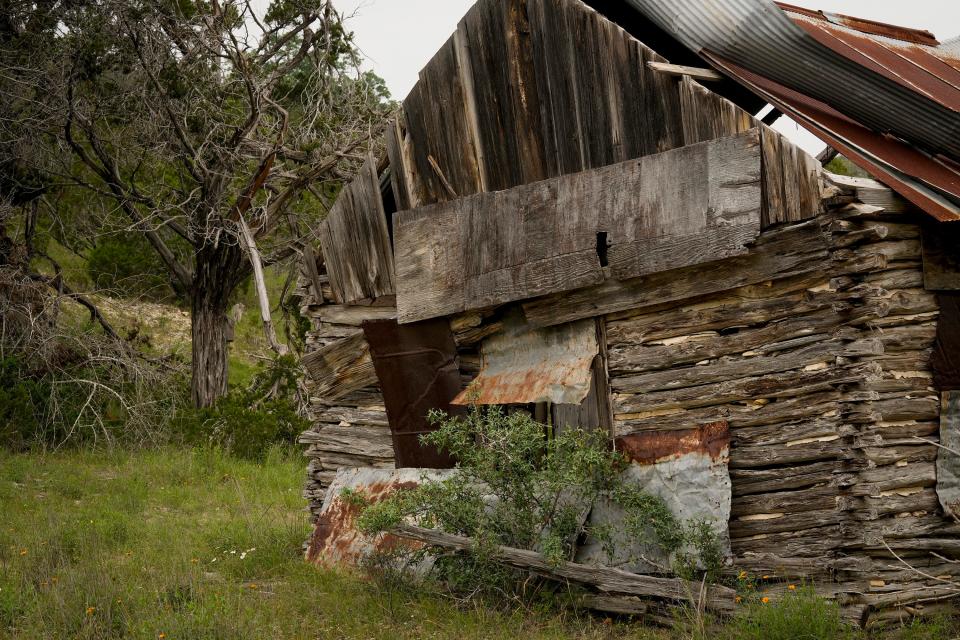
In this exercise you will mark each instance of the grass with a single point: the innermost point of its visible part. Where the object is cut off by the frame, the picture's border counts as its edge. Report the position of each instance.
(195, 544)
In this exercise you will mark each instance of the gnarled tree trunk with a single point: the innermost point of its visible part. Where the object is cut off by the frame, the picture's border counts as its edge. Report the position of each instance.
(219, 269)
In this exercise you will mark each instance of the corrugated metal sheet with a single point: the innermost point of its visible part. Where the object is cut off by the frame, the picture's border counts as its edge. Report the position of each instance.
(896, 88)
(524, 365)
(418, 370)
(688, 469)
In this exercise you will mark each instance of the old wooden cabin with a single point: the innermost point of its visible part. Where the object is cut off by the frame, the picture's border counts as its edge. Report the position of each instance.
(567, 219)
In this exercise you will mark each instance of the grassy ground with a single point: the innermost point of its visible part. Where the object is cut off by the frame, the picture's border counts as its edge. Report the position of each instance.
(197, 545)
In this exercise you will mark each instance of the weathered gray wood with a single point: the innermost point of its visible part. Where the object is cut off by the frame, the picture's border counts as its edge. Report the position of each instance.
(696, 73)
(800, 250)
(680, 208)
(402, 177)
(870, 192)
(707, 116)
(340, 368)
(622, 605)
(356, 242)
(715, 597)
(354, 316)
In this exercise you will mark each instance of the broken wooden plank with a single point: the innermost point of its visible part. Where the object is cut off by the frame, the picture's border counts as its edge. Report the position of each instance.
(683, 207)
(356, 242)
(697, 73)
(609, 580)
(340, 368)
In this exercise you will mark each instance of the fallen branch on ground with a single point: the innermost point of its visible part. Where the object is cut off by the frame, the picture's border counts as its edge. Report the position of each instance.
(613, 581)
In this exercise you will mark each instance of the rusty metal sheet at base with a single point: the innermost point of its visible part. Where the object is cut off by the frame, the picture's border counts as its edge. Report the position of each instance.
(335, 540)
(525, 365)
(948, 462)
(689, 470)
(418, 370)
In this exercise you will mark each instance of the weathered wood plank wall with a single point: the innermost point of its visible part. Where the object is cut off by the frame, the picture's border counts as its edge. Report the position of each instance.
(541, 88)
(815, 347)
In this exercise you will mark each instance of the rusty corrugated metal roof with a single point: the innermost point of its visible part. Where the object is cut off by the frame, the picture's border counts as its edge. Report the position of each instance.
(887, 97)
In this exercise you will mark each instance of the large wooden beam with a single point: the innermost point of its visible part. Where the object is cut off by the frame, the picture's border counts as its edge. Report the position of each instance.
(687, 206)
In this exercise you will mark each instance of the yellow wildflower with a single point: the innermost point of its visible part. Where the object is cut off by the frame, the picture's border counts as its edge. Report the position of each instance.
(253, 585)
(792, 587)
(23, 552)
(743, 574)
(90, 610)
(765, 577)
(738, 599)
(764, 599)
(162, 635)
(194, 560)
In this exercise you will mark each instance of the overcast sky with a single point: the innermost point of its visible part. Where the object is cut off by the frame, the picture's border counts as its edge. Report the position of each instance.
(398, 37)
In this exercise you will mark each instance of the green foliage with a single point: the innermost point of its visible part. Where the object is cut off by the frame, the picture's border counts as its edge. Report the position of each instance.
(518, 488)
(19, 397)
(71, 398)
(937, 628)
(798, 615)
(212, 552)
(127, 266)
(246, 422)
(843, 167)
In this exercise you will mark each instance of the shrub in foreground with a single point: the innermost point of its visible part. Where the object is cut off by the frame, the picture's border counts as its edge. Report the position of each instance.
(516, 487)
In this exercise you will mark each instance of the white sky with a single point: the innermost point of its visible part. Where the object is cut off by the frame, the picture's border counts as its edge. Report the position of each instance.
(398, 37)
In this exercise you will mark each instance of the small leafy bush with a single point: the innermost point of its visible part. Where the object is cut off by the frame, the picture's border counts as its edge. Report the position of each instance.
(248, 422)
(517, 488)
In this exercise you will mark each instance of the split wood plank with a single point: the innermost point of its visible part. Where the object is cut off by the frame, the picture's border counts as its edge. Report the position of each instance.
(402, 178)
(506, 104)
(356, 241)
(687, 206)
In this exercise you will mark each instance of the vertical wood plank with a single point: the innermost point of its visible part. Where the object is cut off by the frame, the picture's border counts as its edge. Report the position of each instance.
(356, 241)
(400, 177)
(773, 204)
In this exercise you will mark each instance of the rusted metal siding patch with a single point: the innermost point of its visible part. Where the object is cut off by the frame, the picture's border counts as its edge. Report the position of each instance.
(948, 460)
(418, 370)
(523, 365)
(336, 540)
(688, 469)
